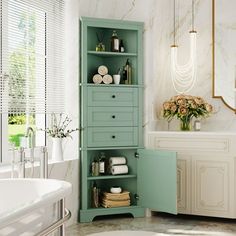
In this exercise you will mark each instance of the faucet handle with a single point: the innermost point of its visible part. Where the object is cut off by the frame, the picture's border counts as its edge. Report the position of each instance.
(44, 149)
(21, 152)
(44, 163)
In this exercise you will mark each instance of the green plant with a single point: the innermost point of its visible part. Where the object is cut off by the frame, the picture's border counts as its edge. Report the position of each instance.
(15, 139)
(59, 126)
(19, 119)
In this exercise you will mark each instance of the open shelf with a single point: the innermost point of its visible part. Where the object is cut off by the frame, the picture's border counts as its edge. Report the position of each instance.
(111, 177)
(109, 54)
(117, 208)
(113, 85)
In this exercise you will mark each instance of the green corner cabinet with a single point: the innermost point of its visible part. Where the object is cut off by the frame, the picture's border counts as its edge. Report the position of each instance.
(111, 121)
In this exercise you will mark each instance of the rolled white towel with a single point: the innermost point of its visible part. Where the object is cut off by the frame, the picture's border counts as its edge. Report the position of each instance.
(118, 170)
(117, 161)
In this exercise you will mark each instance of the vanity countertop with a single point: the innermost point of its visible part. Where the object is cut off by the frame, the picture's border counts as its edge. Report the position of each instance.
(193, 133)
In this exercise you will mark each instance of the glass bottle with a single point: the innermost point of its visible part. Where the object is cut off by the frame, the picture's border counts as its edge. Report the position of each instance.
(122, 48)
(127, 74)
(102, 160)
(114, 42)
(95, 195)
(95, 168)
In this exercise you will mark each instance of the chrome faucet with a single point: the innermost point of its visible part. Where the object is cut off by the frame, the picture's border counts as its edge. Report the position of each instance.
(21, 170)
(30, 135)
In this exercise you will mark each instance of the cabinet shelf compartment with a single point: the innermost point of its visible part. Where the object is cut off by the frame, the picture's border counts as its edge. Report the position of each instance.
(131, 162)
(105, 185)
(129, 38)
(91, 178)
(113, 62)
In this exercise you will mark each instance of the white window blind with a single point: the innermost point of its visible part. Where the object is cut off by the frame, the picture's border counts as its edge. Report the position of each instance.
(32, 56)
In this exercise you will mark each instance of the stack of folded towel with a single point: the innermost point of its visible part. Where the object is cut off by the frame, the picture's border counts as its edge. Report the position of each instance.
(115, 199)
(118, 165)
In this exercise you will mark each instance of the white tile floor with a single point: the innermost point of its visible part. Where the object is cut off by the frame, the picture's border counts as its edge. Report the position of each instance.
(162, 224)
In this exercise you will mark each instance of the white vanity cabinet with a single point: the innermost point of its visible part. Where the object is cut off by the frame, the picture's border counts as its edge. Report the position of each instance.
(183, 184)
(206, 175)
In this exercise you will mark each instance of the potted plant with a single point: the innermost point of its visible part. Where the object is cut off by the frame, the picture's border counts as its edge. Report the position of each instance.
(58, 131)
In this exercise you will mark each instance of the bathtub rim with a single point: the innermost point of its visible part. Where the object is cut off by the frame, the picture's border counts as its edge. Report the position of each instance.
(42, 201)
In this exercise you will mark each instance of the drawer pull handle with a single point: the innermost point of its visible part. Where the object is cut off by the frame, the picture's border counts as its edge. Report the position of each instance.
(113, 96)
(113, 136)
(113, 117)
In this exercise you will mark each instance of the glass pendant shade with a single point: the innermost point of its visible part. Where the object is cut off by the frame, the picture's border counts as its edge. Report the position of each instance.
(184, 76)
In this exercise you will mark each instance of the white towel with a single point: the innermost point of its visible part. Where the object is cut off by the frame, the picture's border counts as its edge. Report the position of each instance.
(118, 170)
(117, 161)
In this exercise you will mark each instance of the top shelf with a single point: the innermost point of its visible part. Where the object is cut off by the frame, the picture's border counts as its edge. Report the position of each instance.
(109, 54)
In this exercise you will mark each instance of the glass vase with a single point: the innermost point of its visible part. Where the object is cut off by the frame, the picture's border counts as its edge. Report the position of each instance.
(185, 124)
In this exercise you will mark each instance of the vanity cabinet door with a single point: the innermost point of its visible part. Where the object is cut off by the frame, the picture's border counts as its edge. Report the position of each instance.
(156, 178)
(213, 188)
(183, 183)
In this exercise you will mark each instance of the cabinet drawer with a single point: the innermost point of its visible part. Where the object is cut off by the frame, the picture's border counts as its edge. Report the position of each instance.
(109, 96)
(112, 116)
(112, 136)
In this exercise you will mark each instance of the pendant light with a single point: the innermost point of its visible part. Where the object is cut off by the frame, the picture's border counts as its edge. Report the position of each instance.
(184, 76)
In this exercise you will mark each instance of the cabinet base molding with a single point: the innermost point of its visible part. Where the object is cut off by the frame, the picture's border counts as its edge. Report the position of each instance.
(89, 214)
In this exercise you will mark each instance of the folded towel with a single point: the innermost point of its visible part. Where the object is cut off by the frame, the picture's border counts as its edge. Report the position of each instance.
(120, 169)
(116, 196)
(117, 161)
(109, 204)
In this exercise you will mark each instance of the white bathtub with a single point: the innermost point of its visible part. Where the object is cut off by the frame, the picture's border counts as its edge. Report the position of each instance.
(29, 205)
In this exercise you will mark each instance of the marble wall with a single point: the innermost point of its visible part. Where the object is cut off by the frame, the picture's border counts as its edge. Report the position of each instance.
(158, 36)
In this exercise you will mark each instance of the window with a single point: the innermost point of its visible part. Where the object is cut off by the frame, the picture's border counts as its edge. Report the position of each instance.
(32, 58)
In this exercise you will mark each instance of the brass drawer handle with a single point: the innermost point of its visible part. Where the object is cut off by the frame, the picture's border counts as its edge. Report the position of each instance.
(113, 136)
(113, 96)
(113, 117)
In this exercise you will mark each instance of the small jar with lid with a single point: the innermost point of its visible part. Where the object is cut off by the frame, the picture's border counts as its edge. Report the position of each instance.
(197, 125)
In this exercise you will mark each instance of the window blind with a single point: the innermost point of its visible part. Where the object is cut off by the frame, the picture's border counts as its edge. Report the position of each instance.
(32, 56)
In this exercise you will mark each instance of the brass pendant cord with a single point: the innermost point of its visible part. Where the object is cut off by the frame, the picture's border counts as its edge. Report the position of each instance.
(174, 33)
(192, 15)
(174, 22)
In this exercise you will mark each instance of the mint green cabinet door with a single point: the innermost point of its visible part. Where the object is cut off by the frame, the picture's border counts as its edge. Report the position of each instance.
(157, 183)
